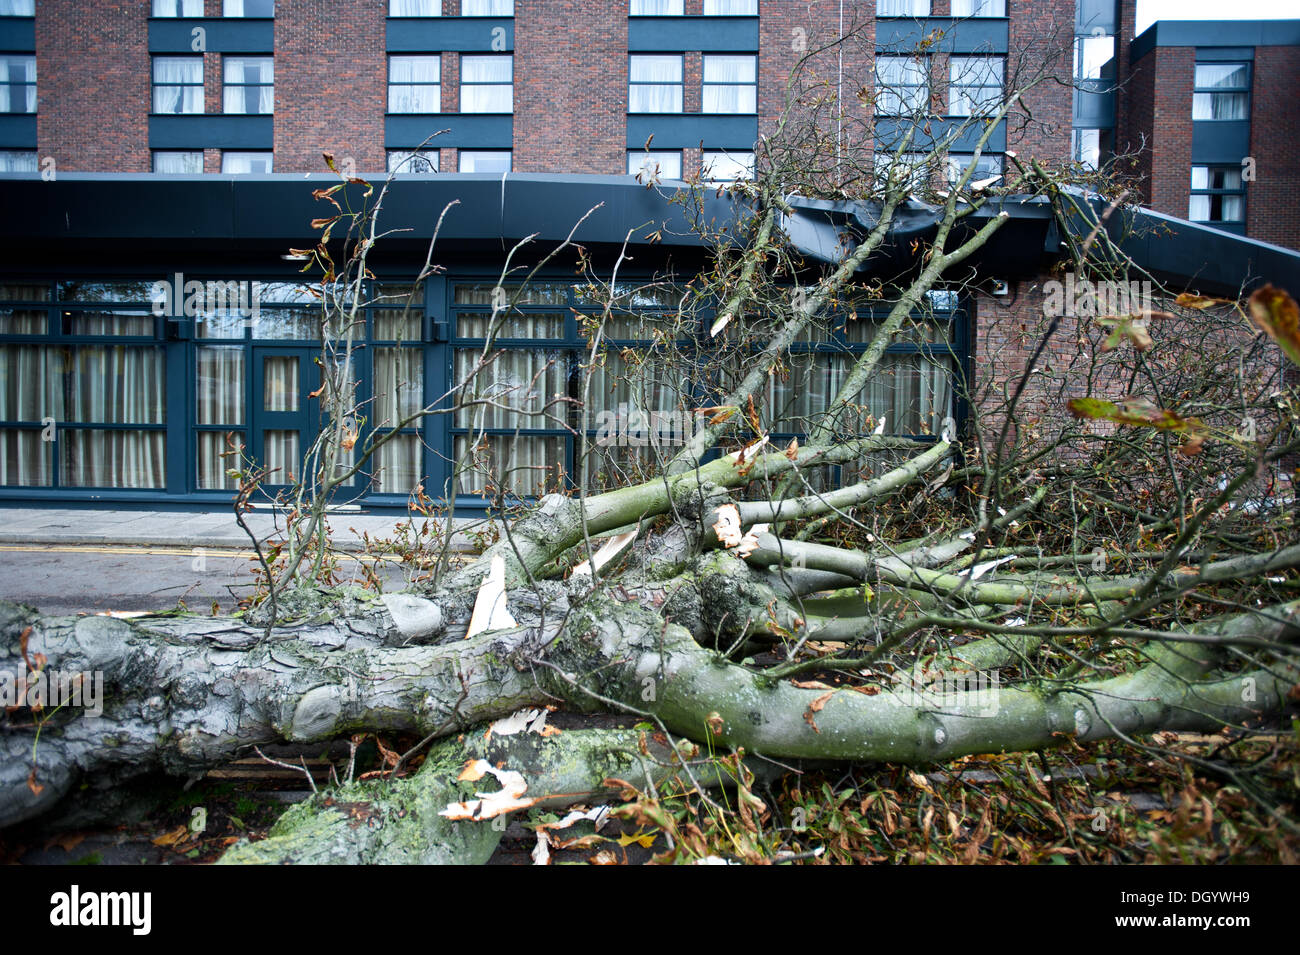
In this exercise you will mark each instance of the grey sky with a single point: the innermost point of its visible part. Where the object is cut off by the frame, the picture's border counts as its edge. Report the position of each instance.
(1148, 11)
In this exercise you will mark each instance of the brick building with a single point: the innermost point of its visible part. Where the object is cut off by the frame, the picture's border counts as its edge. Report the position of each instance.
(146, 143)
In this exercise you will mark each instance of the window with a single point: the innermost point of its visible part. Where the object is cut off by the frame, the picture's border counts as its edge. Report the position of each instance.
(657, 8)
(188, 161)
(246, 163)
(485, 160)
(987, 167)
(487, 8)
(731, 8)
(17, 84)
(730, 84)
(17, 160)
(1221, 91)
(248, 8)
(902, 85)
(726, 166)
(1218, 194)
(178, 8)
(1086, 147)
(414, 84)
(400, 160)
(903, 8)
(1093, 56)
(178, 84)
(654, 84)
(912, 168)
(656, 165)
(976, 85)
(415, 8)
(249, 84)
(979, 8)
(487, 84)
(17, 8)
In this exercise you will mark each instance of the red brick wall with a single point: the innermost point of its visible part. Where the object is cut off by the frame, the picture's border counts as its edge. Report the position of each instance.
(331, 84)
(1272, 210)
(1041, 38)
(1160, 109)
(93, 90)
(570, 93)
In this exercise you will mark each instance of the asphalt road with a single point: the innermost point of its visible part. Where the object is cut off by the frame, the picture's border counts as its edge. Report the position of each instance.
(74, 578)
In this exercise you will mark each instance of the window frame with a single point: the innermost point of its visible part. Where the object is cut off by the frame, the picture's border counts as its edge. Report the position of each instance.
(507, 153)
(680, 9)
(246, 87)
(1208, 94)
(957, 91)
(753, 12)
(1211, 192)
(435, 4)
(680, 84)
(653, 155)
(910, 15)
(924, 91)
(155, 86)
(465, 3)
(509, 59)
(394, 157)
(423, 57)
(269, 153)
(155, 153)
(974, 14)
(705, 84)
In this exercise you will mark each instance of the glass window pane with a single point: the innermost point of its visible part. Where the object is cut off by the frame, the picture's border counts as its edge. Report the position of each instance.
(487, 8)
(661, 165)
(127, 459)
(528, 466)
(1222, 76)
(399, 385)
(979, 8)
(903, 8)
(655, 69)
(18, 160)
(415, 8)
(280, 455)
(398, 465)
(484, 161)
(219, 384)
(731, 8)
(177, 163)
(25, 458)
(657, 8)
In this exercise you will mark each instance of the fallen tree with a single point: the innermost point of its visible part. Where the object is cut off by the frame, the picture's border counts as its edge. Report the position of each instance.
(865, 592)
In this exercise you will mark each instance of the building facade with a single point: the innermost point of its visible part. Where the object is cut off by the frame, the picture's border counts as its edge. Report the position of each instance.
(153, 151)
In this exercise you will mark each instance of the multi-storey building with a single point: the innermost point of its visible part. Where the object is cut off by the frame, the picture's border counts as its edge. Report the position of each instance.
(147, 144)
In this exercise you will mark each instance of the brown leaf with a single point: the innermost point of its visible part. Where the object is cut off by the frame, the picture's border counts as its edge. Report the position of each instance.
(32, 784)
(1276, 313)
(816, 707)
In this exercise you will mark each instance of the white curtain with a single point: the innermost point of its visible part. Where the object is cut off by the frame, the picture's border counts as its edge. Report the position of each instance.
(18, 160)
(175, 163)
(415, 8)
(666, 165)
(280, 383)
(487, 8)
(169, 95)
(975, 85)
(220, 384)
(246, 163)
(249, 85)
(414, 84)
(486, 84)
(397, 465)
(979, 8)
(655, 84)
(903, 8)
(15, 97)
(902, 85)
(911, 392)
(488, 161)
(727, 166)
(18, 8)
(178, 8)
(248, 8)
(731, 8)
(526, 465)
(657, 8)
(729, 84)
(415, 161)
(281, 456)
(399, 385)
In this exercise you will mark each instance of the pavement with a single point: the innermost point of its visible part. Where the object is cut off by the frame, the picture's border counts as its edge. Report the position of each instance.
(186, 529)
(72, 560)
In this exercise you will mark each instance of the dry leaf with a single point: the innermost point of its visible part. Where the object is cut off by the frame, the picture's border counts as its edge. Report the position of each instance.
(816, 707)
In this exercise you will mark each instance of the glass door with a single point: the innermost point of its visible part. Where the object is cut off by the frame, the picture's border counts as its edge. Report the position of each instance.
(286, 416)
